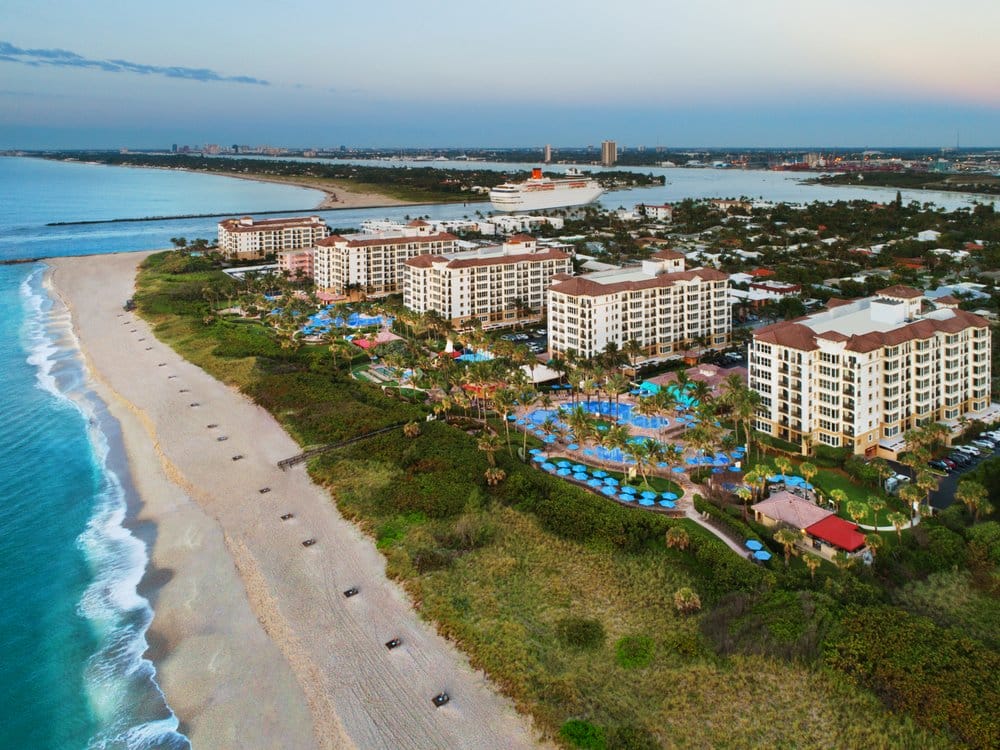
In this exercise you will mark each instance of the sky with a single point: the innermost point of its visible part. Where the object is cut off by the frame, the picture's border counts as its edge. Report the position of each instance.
(388, 73)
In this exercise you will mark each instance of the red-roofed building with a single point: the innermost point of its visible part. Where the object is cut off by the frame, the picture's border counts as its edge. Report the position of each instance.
(762, 273)
(861, 373)
(371, 264)
(501, 285)
(833, 534)
(247, 238)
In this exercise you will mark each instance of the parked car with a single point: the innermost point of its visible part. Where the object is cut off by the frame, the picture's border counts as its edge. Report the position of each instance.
(951, 464)
(939, 465)
(960, 458)
(985, 444)
(970, 450)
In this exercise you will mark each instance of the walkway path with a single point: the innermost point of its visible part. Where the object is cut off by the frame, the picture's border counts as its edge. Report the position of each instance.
(914, 521)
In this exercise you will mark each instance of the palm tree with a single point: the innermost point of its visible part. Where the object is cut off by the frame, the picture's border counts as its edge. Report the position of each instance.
(857, 510)
(973, 495)
(616, 384)
(489, 443)
(494, 475)
(912, 495)
(757, 479)
(745, 496)
(876, 504)
(839, 497)
(503, 402)
(642, 453)
(527, 395)
(808, 470)
(678, 538)
(787, 539)
(899, 521)
(812, 562)
(784, 464)
(411, 429)
(686, 600)
(874, 541)
(617, 436)
(927, 483)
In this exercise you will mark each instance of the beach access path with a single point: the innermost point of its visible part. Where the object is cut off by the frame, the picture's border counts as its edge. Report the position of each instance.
(254, 642)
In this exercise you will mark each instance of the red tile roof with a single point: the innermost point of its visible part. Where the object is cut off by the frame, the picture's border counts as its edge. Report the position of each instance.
(838, 532)
(261, 225)
(426, 261)
(762, 272)
(335, 239)
(520, 239)
(947, 300)
(900, 291)
(666, 254)
(580, 286)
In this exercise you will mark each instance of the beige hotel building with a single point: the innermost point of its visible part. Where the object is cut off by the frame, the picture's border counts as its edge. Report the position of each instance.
(861, 373)
(499, 285)
(658, 303)
(372, 263)
(250, 239)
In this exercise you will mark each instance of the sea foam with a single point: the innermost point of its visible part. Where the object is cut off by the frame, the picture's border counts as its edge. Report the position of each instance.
(127, 703)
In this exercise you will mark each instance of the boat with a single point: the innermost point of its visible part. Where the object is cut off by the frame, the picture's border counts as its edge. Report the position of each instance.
(539, 192)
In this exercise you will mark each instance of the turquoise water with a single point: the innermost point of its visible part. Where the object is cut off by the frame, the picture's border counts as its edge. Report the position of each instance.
(72, 620)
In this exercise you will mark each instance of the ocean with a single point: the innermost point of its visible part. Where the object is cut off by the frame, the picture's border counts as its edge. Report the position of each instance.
(72, 620)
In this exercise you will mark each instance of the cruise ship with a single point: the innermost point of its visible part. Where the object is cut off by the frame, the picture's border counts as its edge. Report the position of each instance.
(544, 192)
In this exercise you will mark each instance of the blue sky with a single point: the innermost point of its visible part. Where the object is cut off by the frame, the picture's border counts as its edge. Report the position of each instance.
(506, 72)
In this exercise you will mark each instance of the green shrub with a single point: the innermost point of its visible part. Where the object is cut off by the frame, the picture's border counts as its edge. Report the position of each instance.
(583, 734)
(988, 535)
(631, 737)
(634, 651)
(580, 632)
(830, 458)
(946, 681)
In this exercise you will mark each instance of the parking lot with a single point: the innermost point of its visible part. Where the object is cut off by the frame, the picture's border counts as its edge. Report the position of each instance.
(944, 495)
(535, 339)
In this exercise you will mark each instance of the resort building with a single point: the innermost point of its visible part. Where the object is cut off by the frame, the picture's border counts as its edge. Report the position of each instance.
(499, 285)
(663, 212)
(657, 303)
(861, 373)
(247, 238)
(824, 532)
(297, 264)
(371, 264)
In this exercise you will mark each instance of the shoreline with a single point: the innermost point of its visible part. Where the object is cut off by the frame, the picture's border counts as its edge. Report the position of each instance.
(236, 597)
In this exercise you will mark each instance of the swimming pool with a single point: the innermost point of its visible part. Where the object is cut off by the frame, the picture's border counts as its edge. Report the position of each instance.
(622, 412)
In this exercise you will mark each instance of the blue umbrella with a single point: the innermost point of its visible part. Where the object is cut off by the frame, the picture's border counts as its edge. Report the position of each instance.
(511, 417)
(595, 483)
(648, 495)
(678, 470)
(762, 554)
(520, 421)
(588, 451)
(563, 464)
(776, 478)
(794, 481)
(579, 467)
(538, 457)
(667, 503)
(611, 481)
(645, 501)
(693, 460)
(625, 498)
(807, 486)
(550, 439)
(753, 544)
(580, 476)
(669, 496)
(564, 472)
(549, 466)
(600, 474)
(629, 490)
(572, 446)
(609, 490)
(662, 465)
(717, 470)
(534, 451)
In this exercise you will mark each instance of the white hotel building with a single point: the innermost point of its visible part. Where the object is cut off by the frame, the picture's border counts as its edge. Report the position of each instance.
(500, 285)
(247, 238)
(863, 372)
(372, 263)
(659, 304)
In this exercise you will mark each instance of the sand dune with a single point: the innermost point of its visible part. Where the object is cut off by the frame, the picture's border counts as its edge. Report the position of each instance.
(255, 644)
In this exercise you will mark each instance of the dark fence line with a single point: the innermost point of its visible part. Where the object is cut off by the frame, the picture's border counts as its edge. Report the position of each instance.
(306, 455)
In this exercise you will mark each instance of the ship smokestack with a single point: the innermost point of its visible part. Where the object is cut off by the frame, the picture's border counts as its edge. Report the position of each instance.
(536, 173)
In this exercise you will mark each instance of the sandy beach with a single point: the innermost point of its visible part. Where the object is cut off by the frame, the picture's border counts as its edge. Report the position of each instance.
(337, 196)
(254, 642)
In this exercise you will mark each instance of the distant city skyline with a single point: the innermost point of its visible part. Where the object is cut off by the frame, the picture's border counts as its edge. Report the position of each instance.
(767, 74)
